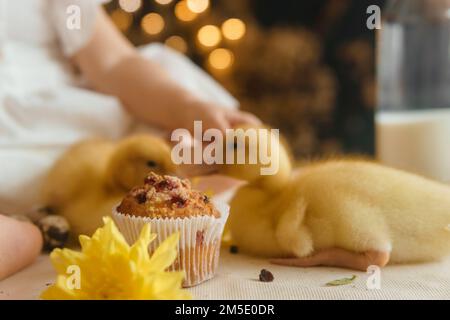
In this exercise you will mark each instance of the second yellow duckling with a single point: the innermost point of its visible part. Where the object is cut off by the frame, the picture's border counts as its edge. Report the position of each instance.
(342, 213)
(93, 176)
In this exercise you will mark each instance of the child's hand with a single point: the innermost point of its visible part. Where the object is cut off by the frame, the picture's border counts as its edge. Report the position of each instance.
(213, 116)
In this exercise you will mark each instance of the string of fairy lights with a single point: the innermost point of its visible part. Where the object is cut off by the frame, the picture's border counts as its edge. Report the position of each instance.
(212, 40)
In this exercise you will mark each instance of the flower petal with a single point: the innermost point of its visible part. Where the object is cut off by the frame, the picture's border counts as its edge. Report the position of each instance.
(108, 237)
(59, 291)
(139, 251)
(62, 259)
(165, 254)
(164, 286)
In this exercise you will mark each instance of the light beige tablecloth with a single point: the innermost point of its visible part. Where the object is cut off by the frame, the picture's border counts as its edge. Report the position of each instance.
(238, 279)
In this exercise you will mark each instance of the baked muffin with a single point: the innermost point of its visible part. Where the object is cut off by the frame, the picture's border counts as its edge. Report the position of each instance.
(170, 205)
(166, 197)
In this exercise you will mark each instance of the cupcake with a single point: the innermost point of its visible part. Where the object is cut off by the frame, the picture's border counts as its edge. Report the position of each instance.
(170, 205)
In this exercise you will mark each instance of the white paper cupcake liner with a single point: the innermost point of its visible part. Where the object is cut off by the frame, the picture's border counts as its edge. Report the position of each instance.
(200, 239)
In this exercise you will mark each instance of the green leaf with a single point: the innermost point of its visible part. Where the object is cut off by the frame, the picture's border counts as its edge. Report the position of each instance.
(341, 282)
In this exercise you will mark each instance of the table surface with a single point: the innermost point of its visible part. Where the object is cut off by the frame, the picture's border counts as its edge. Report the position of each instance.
(237, 278)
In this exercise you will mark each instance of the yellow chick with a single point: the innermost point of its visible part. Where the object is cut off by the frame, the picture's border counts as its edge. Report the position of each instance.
(92, 177)
(344, 213)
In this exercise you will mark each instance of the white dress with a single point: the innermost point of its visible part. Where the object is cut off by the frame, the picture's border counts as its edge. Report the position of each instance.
(44, 107)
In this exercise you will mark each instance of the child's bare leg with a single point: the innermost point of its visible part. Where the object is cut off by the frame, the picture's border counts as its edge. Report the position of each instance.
(337, 257)
(20, 244)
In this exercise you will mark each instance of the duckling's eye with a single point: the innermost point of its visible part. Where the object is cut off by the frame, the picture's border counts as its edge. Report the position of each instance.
(151, 164)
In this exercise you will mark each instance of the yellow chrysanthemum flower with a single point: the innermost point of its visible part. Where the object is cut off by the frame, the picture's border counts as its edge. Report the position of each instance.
(108, 268)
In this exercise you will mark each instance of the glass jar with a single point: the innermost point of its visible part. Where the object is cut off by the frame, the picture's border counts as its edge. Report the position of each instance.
(413, 113)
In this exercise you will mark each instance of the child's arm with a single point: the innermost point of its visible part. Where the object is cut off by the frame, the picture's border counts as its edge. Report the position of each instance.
(20, 244)
(113, 66)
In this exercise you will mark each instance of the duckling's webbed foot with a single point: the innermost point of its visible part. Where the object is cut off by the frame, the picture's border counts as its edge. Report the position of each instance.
(340, 258)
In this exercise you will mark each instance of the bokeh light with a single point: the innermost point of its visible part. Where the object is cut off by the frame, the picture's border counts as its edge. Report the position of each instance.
(221, 59)
(122, 19)
(209, 36)
(130, 5)
(152, 23)
(177, 43)
(163, 2)
(183, 13)
(198, 6)
(233, 29)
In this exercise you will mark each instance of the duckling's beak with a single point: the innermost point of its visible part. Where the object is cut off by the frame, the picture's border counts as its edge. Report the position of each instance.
(176, 173)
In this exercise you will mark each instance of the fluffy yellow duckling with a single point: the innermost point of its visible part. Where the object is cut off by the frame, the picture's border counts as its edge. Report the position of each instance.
(342, 213)
(93, 176)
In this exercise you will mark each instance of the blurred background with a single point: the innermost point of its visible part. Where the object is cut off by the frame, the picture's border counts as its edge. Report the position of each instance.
(305, 67)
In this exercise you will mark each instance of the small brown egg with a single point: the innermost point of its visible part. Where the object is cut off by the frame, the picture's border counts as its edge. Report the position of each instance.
(55, 231)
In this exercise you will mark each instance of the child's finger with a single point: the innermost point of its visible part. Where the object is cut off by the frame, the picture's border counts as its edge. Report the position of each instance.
(239, 118)
(20, 244)
(216, 121)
